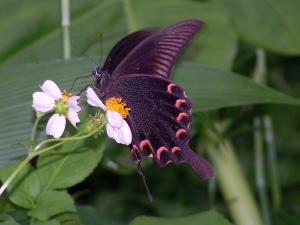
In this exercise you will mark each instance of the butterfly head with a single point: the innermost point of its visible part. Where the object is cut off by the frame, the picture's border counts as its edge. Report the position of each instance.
(98, 72)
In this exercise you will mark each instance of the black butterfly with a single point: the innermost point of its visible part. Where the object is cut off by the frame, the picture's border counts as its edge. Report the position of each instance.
(138, 70)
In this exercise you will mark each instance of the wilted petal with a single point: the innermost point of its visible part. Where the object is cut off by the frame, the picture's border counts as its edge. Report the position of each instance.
(73, 103)
(114, 119)
(51, 89)
(42, 102)
(126, 133)
(93, 99)
(56, 125)
(73, 117)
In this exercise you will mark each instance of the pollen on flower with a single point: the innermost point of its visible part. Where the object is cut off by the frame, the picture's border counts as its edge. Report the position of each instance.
(117, 105)
(65, 96)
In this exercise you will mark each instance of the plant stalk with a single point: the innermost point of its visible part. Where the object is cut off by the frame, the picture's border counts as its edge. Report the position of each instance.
(66, 33)
(260, 170)
(129, 14)
(235, 189)
(272, 161)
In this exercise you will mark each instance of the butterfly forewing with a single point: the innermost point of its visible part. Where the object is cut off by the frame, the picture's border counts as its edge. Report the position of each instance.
(124, 47)
(156, 54)
(159, 119)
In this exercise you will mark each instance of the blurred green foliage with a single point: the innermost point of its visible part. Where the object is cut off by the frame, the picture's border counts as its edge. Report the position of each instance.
(81, 184)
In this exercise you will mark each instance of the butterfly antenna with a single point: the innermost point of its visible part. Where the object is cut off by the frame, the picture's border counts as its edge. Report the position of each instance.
(77, 78)
(101, 47)
(140, 172)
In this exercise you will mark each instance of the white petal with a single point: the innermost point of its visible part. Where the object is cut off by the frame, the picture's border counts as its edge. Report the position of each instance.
(42, 102)
(73, 103)
(56, 125)
(109, 130)
(93, 99)
(73, 117)
(114, 119)
(51, 122)
(118, 136)
(51, 89)
(126, 134)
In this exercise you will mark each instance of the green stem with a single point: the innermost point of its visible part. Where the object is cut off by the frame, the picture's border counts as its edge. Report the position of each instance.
(16, 172)
(34, 129)
(260, 169)
(272, 159)
(36, 153)
(233, 184)
(66, 33)
(130, 18)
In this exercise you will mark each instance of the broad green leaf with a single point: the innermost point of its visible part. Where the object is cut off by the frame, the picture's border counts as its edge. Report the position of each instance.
(7, 220)
(214, 46)
(68, 218)
(206, 218)
(208, 88)
(271, 24)
(88, 215)
(63, 170)
(17, 193)
(54, 171)
(51, 203)
(49, 222)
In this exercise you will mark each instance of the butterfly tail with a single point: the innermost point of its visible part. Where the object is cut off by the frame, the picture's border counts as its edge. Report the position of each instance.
(199, 165)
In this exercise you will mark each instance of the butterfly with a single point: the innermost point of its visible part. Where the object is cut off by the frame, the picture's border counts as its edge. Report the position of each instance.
(138, 70)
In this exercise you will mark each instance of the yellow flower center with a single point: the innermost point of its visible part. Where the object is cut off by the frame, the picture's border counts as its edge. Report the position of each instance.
(116, 104)
(61, 105)
(65, 96)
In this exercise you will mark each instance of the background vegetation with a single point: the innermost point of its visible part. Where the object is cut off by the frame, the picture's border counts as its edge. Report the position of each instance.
(247, 53)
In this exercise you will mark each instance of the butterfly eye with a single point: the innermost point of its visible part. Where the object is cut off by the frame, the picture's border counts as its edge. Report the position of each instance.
(98, 72)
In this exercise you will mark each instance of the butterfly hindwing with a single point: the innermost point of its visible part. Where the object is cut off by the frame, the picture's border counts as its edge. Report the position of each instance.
(156, 54)
(159, 119)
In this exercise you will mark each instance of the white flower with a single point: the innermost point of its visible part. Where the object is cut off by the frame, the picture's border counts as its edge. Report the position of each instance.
(117, 128)
(65, 106)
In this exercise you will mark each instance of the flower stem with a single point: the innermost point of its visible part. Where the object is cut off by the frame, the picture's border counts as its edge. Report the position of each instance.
(131, 22)
(65, 23)
(35, 153)
(233, 184)
(260, 170)
(34, 129)
(16, 172)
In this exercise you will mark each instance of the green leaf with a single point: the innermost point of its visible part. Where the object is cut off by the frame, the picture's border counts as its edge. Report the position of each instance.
(211, 88)
(206, 218)
(68, 218)
(50, 222)
(214, 46)
(271, 24)
(89, 216)
(208, 88)
(7, 220)
(63, 170)
(51, 203)
(17, 190)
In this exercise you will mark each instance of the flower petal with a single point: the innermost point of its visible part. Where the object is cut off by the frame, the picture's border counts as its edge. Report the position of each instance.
(114, 119)
(73, 103)
(93, 99)
(126, 134)
(109, 130)
(51, 89)
(42, 102)
(56, 125)
(118, 136)
(73, 117)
